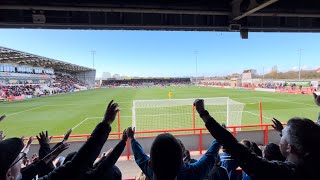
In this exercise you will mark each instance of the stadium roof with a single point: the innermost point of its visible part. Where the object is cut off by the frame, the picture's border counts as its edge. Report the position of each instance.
(8, 55)
(188, 15)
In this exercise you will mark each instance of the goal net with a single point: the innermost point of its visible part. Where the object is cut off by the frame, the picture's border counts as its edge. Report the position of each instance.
(171, 114)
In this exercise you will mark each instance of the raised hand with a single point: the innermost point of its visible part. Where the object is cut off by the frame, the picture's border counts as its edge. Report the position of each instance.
(44, 138)
(224, 125)
(277, 125)
(199, 104)
(130, 132)
(34, 157)
(26, 148)
(316, 99)
(66, 136)
(124, 136)
(2, 136)
(2, 117)
(111, 113)
(29, 141)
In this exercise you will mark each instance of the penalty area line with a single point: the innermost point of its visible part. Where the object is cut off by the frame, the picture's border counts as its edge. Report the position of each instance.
(84, 121)
(25, 110)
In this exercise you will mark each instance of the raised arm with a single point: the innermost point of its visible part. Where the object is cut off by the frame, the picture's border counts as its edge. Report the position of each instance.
(84, 158)
(252, 164)
(111, 158)
(92, 147)
(317, 101)
(202, 167)
(141, 158)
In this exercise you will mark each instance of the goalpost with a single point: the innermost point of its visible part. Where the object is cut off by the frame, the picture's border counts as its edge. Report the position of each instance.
(180, 113)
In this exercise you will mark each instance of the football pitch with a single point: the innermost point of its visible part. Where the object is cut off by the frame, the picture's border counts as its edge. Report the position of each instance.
(83, 110)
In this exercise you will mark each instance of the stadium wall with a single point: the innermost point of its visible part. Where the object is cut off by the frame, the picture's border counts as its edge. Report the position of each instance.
(86, 76)
(199, 141)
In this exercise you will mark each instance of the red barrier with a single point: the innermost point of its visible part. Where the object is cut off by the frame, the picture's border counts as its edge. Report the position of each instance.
(193, 119)
(153, 132)
(119, 125)
(200, 142)
(261, 116)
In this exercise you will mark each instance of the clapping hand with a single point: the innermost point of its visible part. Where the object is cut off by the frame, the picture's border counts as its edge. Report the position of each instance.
(130, 132)
(111, 113)
(125, 136)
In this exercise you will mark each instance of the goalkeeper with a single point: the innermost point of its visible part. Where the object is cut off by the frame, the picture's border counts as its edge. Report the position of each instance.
(170, 94)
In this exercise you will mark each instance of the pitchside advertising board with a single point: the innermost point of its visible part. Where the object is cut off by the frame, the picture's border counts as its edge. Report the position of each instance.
(299, 83)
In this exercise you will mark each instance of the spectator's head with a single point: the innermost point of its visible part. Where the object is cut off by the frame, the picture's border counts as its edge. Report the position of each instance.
(300, 140)
(11, 158)
(272, 152)
(114, 173)
(255, 148)
(246, 143)
(166, 157)
(69, 157)
(59, 161)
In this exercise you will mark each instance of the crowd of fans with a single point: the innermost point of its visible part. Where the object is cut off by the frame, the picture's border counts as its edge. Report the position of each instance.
(61, 84)
(296, 157)
(146, 82)
(216, 83)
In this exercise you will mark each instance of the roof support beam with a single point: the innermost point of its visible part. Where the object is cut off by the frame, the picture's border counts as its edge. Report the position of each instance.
(253, 7)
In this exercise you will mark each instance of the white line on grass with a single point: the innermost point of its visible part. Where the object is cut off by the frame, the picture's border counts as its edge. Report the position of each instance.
(257, 114)
(24, 111)
(85, 121)
(289, 101)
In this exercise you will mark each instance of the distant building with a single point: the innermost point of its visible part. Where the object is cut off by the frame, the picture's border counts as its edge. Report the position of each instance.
(117, 76)
(318, 70)
(106, 75)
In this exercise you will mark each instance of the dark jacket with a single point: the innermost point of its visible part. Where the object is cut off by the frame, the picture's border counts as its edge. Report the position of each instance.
(253, 165)
(198, 170)
(103, 168)
(218, 173)
(85, 157)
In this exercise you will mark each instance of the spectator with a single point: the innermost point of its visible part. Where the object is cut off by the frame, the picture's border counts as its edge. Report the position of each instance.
(218, 172)
(197, 170)
(166, 157)
(272, 152)
(299, 144)
(186, 154)
(229, 163)
(9, 157)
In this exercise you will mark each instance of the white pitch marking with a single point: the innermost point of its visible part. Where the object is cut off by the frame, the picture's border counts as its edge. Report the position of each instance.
(24, 111)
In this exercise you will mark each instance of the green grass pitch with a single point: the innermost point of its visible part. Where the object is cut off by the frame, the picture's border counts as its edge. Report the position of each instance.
(59, 113)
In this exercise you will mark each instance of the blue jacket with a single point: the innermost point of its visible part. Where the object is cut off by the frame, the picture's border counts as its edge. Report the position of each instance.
(245, 176)
(230, 164)
(192, 171)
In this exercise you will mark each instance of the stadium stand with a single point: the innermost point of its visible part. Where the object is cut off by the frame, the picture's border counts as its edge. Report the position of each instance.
(24, 75)
(146, 82)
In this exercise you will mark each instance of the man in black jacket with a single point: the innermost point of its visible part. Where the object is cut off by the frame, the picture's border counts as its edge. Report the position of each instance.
(83, 160)
(299, 144)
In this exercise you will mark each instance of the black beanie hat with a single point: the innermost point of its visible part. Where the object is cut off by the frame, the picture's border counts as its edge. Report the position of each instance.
(10, 150)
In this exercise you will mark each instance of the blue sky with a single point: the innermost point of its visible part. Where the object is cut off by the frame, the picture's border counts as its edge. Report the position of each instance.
(160, 53)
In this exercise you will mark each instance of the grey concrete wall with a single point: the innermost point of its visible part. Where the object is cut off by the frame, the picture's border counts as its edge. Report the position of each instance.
(191, 142)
